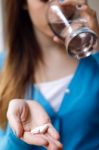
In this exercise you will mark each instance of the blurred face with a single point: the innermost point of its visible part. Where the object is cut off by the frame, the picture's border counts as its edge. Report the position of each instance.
(37, 10)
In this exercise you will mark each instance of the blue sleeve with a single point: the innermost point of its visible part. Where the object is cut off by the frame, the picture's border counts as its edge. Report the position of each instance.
(8, 141)
(96, 57)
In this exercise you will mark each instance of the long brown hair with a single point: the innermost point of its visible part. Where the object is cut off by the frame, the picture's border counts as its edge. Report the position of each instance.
(23, 54)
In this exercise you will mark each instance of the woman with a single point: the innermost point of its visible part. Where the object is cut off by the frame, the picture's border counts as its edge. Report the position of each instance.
(60, 91)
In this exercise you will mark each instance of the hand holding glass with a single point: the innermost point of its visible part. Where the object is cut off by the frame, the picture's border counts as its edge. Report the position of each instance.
(66, 22)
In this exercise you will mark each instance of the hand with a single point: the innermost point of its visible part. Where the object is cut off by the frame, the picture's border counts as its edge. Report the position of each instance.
(87, 13)
(23, 116)
(92, 22)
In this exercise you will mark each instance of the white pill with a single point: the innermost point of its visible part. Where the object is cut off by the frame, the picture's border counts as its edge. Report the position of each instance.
(40, 129)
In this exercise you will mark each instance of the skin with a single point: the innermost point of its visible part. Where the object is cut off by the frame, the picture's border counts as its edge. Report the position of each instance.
(22, 115)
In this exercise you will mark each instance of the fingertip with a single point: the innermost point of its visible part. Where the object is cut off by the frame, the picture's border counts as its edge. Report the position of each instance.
(19, 131)
(20, 134)
(55, 39)
(52, 131)
(57, 136)
(60, 145)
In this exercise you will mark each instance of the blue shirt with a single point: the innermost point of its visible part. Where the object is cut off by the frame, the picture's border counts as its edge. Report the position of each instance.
(78, 117)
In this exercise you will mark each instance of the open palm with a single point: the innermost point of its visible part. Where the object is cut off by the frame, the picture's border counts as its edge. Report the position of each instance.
(23, 116)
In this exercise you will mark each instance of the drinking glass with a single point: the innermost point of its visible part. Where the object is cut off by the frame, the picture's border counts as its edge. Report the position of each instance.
(66, 22)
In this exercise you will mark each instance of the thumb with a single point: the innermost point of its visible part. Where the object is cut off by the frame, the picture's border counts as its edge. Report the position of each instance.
(15, 124)
(14, 118)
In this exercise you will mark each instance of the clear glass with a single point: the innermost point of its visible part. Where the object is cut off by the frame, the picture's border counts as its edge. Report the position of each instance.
(66, 22)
